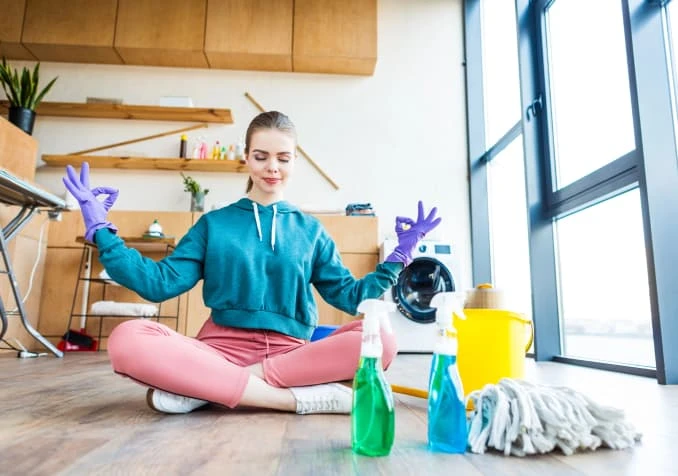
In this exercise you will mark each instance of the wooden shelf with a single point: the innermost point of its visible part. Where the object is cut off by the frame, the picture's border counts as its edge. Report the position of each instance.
(125, 111)
(139, 243)
(110, 162)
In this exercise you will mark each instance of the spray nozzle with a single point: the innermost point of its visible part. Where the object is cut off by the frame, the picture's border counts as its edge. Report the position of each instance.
(376, 315)
(448, 305)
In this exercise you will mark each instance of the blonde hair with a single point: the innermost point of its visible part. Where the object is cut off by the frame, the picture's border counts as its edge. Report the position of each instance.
(268, 120)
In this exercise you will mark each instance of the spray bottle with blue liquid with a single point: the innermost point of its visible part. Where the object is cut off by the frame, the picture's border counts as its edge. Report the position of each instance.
(372, 415)
(447, 431)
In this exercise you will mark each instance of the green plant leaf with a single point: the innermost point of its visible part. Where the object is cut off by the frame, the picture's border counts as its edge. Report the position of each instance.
(25, 87)
(43, 92)
(16, 83)
(8, 83)
(34, 84)
(22, 89)
(6, 79)
(191, 186)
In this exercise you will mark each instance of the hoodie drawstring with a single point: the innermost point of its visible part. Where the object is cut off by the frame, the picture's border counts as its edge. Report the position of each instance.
(258, 222)
(275, 212)
(256, 219)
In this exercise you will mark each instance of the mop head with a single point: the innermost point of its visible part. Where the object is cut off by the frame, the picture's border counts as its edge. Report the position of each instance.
(519, 418)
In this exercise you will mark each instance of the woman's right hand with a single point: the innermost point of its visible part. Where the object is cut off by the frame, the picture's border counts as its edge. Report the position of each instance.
(93, 211)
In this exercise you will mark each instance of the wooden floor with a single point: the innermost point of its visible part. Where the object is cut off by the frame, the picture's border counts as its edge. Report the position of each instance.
(74, 416)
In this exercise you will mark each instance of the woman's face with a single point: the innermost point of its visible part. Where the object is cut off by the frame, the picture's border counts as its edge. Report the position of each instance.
(270, 159)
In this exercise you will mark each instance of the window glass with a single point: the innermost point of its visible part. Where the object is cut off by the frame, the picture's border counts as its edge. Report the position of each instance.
(672, 29)
(604, 292)
(501, 94)
(589, 86)
(508, 227)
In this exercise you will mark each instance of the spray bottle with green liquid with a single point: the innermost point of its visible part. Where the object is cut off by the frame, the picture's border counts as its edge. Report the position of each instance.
(447, 431)
(372, 416)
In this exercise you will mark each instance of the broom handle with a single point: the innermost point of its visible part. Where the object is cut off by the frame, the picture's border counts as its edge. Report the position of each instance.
(140, 139)
(414, 392)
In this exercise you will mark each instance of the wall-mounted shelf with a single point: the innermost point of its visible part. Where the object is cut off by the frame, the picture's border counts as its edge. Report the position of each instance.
(126, 111)
(111, 162)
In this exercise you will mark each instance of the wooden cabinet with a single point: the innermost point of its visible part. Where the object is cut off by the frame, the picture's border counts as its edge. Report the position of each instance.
(18, 151)
(162, 32)
(335, 36)
(71, 30)
(11, 26)
(196, 312)
(58, 285)
(316, 36)
(249, 34)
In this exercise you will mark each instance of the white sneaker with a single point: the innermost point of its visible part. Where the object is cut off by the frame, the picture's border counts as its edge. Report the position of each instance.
(166, 402)
(324, 398)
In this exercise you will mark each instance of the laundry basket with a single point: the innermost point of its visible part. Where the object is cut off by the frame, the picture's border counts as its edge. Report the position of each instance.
(492, 345)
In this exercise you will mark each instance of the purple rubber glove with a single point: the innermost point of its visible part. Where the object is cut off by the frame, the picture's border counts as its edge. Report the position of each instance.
(93, 211)
(410, 232)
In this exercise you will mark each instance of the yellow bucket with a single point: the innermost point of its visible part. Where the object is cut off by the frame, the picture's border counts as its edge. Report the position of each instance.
(492, 345)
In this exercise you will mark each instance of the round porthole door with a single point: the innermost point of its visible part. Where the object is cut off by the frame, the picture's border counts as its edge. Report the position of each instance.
(417, 284)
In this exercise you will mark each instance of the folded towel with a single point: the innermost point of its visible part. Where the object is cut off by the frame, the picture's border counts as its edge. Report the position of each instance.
(106, 276)
(113, 308)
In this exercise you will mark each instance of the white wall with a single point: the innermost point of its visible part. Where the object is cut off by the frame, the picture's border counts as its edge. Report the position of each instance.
(389, 139)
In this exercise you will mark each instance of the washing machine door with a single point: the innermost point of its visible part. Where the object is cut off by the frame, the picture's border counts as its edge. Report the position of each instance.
(417, 284)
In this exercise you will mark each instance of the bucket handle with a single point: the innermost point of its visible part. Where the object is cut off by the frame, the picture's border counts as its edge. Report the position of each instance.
(530, 340)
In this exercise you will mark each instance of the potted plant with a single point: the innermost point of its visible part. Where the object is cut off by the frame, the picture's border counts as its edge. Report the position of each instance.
(197, 193)
(22, 94)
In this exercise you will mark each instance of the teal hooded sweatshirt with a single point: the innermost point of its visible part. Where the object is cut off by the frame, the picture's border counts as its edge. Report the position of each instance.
(257, 263)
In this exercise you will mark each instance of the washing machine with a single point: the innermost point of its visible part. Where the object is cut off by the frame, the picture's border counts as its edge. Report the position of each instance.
(434, 269)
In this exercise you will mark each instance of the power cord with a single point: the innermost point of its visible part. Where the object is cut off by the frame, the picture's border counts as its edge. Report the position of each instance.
(35, 266)
(9, 345)
(22, 352)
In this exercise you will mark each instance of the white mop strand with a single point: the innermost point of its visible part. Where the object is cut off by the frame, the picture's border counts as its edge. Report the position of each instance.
(520, 418)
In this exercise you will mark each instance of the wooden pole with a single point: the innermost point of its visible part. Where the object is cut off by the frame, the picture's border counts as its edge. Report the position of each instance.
(141, 139)
(414, 392)
(302, 151)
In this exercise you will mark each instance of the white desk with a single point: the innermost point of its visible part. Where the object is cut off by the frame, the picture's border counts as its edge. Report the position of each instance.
(14, 191)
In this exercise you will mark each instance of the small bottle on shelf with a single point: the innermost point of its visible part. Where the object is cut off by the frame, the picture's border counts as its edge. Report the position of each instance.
(182, 146)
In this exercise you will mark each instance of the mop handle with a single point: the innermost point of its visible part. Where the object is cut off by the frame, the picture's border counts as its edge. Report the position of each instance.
(414, 392)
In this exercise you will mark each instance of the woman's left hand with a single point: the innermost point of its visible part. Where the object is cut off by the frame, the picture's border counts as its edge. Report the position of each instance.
(409, 233)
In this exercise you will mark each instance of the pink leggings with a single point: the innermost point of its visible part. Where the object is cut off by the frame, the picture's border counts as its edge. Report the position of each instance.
(212, 366)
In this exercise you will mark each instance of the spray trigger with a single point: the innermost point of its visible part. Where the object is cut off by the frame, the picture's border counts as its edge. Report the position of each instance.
(377, 313)
(448, 305)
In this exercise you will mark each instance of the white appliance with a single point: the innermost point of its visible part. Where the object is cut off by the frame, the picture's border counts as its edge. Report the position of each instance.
(434, 268)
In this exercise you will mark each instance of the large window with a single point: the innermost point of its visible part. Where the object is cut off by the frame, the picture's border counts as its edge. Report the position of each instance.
(592, 120)
(605, 299)
(573, 206)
